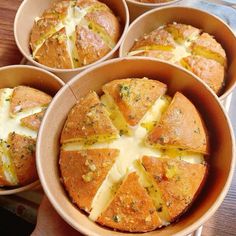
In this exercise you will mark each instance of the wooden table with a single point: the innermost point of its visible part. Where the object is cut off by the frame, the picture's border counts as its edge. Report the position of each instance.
(223, 223)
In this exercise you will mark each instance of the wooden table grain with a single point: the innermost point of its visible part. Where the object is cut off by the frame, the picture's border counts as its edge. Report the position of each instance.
(223, 223)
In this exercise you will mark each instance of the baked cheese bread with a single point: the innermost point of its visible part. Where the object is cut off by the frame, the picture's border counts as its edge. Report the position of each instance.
(133, 159)
(21, 112)
(188, 47)
(74, 33)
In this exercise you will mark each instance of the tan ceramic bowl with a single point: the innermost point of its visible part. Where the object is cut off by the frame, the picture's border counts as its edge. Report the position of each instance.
(138, 8)
(30, 9)
(11, 76)
(195, 17)
(222, 153)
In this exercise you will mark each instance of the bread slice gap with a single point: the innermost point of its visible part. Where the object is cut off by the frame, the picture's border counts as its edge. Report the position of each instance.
(154, 192)
(183, 155)
(153, 115)
(181, 126)
(206, 46)
(131, 209)
(115, 115)
(84, 171)
(179, 182)
(182, 33)
(160, 54)
(210, 71)
(158, 39)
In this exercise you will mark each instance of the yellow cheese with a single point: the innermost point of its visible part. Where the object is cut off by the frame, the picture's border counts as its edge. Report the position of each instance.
(75, 16)
(8, 125)
(153, 191)
(12, 124)
(8, 168)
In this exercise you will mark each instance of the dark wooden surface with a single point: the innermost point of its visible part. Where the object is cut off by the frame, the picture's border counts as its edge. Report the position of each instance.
(223, 223)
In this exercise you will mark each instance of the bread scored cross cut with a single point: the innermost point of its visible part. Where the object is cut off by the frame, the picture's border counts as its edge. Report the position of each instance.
(21, 112)
(116, 167)
(74, 33)
(188, 47)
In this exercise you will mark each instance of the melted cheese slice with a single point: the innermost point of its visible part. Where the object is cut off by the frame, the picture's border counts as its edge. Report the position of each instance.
(181, 50)
(132, 148)
(8, 125)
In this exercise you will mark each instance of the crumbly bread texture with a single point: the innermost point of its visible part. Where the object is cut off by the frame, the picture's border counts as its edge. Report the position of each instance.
(142, 179)
(21, 112)
(180, 126)
(178, 181)
(188, 47)
(74, 33)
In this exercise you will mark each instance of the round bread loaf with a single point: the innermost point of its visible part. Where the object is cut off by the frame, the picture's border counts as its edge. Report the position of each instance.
(74, 33)
(187, 46)
(21, 111)
(133, 159)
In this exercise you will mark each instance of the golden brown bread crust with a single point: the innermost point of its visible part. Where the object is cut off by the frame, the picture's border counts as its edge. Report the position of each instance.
(33, 121)
(208, 47)
(56, 40)
(89, 52)
(158, 39)
(134, 96)
(54, 52)
(210, 71)
(164, 55)
(131, 209)
(46, 24)
(140, 203)
(178, 181)
(173, 42)
(182, 32)
(88, 121)
(180, 126)
(24, 98)
(84, 171)
(22, 153)
(106, 21)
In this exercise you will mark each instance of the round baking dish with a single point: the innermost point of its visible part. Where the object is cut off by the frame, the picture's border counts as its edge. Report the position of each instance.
(223, 145)
(11, 76)
(31, 9)
(191, 16)
(138, 8)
